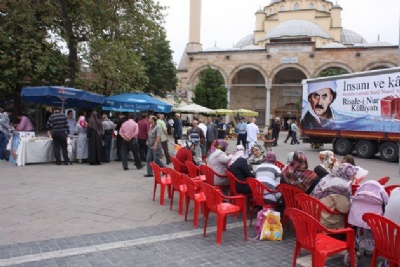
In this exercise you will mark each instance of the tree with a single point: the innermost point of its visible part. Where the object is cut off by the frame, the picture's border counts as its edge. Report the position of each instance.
(27, 54)
(210, 92)
(332, 72)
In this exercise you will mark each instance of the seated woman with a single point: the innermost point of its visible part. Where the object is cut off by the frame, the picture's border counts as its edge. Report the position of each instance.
(334, 191)
(392, 211)
(270, 175)
(257, 155)
(240, 169)
(218, 159)
(184, 154)
(298, 174)
(328, 161)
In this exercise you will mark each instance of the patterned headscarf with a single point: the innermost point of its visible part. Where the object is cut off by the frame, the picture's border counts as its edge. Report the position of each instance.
(346, 171)
(327, 159)
(82, 121)
(270, 157)
(254, 159)
(218, 144)
(297, 173)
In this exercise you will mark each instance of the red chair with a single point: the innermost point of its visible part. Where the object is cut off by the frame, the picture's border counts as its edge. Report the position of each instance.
(314, 237)
(279, 164)
(289, 193)
(232, 183)
(178, 185)
(315, 207)
(193, 192)
(162, 181)
(194, 171)
(258, 190)
(214, 200)
(390, 188)
(177, 164)
(386, 237)
(209, 173)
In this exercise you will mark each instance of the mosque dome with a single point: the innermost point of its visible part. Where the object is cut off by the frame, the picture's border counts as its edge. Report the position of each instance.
(275, 1)
(245, 41)
(350, 37)
(293, 28)
(333, 45)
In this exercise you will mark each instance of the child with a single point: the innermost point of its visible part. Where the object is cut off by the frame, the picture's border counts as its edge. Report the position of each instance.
(268, 140)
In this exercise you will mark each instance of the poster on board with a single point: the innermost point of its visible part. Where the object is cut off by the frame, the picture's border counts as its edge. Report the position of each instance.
(14, 147)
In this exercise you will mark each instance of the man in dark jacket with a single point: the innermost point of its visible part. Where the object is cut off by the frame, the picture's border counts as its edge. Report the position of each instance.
(177, 128)
(121, 120)
(212, 132)
(59, 131)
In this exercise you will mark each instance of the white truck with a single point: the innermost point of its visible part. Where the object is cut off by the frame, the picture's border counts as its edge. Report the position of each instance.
(355, 112)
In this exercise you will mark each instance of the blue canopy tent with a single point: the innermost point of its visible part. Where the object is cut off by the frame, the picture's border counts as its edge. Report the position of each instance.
(134, 102)
(63, 97)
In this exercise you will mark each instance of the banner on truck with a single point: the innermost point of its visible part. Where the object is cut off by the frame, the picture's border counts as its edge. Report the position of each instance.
(368, 103)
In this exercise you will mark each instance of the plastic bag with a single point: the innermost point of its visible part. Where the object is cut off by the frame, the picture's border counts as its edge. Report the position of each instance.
(272, 227)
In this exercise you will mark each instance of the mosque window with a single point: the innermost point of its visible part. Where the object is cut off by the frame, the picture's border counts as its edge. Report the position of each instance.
(296, 6)
(311, 6)
(323, 7)
(282, 8)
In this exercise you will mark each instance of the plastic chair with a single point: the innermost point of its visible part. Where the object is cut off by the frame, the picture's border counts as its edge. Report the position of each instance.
(194, 171)
(162, 181)
(232, 183)
(390, 188)
(386, 237)
(194, 193)
(178, 185)
(289, 193)
(177, 164)
(315, 207)
(279, 164)
(214, 200)
(209, 174)
(384, 180)
(314, 237)
(258, 190)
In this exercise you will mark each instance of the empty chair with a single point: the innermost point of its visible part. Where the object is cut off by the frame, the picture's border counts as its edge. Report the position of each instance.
(214, 200)
(314, 237)
(289, 193)
(162, 178)
(194, 193)
(258, 189)
(194, 171)
(178, 185)
(386, 237)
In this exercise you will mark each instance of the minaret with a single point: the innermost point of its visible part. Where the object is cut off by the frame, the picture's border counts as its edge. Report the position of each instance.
(194, 44)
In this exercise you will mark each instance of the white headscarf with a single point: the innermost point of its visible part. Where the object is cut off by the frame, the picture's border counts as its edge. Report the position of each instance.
(239, 153)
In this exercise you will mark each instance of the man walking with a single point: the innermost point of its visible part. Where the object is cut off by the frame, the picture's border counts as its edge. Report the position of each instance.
(155, 150)
(129, 131)
(242, 134)
(164, 136)
(108, 129)
(177, 128)
(58, 124)
(143, 135)
(4, 132)
(121, 119)
(252, 132)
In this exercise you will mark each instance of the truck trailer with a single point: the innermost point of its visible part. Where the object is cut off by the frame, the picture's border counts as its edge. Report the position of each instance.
(357, 112)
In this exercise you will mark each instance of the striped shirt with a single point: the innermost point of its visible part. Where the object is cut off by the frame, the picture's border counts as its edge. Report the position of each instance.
(58, 123)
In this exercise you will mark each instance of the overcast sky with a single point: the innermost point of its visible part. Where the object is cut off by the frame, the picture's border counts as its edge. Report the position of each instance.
(225, 22)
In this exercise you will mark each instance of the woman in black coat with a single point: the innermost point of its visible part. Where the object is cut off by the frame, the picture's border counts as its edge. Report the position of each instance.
(94, 134)
(240, 169)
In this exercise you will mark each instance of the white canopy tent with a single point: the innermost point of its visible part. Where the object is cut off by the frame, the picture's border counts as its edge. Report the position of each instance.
(193, 108)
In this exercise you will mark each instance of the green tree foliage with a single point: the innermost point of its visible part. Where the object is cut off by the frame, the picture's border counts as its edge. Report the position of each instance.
(210, 91)
(332, 72)
(27, 55)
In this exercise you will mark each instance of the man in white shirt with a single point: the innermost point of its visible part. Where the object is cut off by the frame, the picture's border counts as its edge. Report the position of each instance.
(203, 127)
(252, 132)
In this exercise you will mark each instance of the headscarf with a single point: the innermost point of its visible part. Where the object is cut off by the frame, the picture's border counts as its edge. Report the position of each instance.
(297, 173)
(95, 123)
(328, 160)
(270, 157)
(238, 153)
(260, 159)
(289, 157)
(218, 144)
(346, 171)
(82, 121)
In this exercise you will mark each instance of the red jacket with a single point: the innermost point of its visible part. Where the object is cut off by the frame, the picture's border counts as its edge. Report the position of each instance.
(183, 155)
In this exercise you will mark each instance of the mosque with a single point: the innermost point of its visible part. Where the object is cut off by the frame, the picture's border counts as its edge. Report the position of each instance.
(292, 40)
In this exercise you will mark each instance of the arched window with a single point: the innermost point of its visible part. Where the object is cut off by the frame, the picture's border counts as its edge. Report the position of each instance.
(282, 8)
(296, 6)
(323, 7)
(311, 6)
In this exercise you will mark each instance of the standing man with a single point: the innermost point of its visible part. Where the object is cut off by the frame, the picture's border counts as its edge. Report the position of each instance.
(212, 132)
(221, 128)
(164, 136)
(4, 131)
(295, 129)
(242, 134)
(108, 130)
(203, 127)
(129, 132)
(275, 131)
(71, 122)
(143, 135)
(24, 124)
(177, 128)
(196, 136)
(154, 143)
(252, 132)
(59, 131)
(121, 119)
(289, 135)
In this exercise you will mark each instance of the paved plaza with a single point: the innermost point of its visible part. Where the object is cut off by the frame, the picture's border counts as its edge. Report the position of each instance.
(84, 215)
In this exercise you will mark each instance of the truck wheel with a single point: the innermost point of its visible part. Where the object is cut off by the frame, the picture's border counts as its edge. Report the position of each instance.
(343, 146)
(366, 149)
(389, 152)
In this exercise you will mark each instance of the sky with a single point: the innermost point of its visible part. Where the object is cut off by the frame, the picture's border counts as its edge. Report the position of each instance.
(225, 22)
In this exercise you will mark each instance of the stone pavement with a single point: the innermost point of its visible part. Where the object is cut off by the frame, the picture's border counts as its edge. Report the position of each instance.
(83, 215)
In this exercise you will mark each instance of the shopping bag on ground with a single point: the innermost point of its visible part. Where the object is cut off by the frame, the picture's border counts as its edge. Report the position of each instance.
(272, 227)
